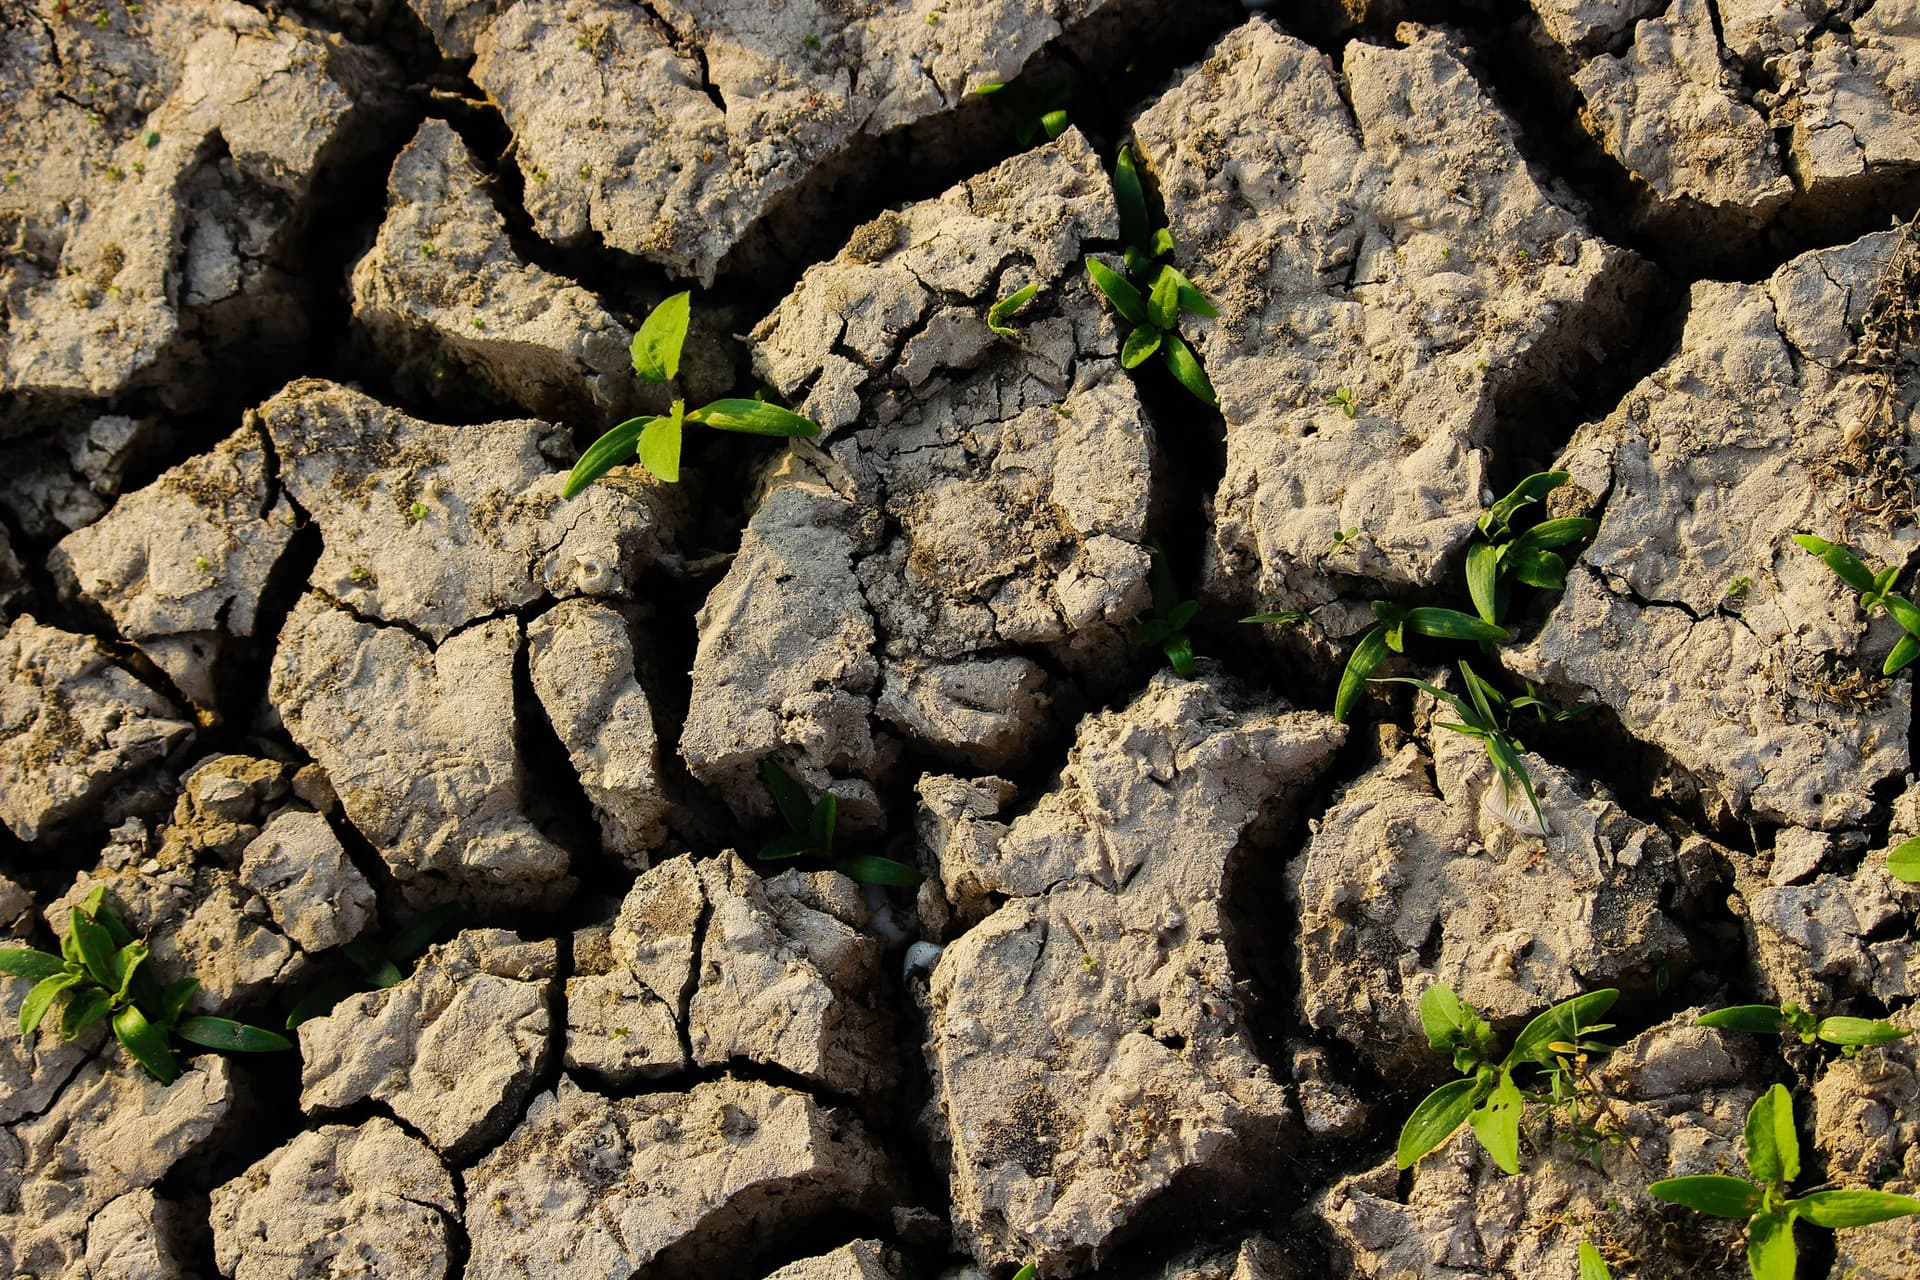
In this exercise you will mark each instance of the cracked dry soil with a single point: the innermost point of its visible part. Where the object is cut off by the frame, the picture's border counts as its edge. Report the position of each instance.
(306, 307)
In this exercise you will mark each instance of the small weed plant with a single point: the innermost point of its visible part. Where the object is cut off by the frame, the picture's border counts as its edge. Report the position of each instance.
(811, 830)
(657, 439)
(382, 962)
(101, 973)
(1501, 555)
(1876, 592)
(1153, 295)
(1389, 635)
(1850, 1034)
(1167, 626)
(1773, 1162)
(1004, 310)
(1487, 714)
(1488, 1097)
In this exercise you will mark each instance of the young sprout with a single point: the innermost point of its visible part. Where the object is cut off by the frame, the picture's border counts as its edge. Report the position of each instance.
(1389, 635)
(1772, 1148)
(1739, 589)
(381, 962)
(1851, 1034)
(1592, 1265)
(1499, 556)
(1155, 313)
(1488, 1097)
(1000, 312)
(656, 358)
(1344, 398)
(811, 830)
(1485, 714)
(1167, 626)
(1341, 538)
(101, 973)
(1876, 592)
(1035, 109)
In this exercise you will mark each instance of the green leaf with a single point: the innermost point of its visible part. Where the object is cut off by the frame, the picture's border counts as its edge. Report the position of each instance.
(1186, 370)
(1564, 1021)
(41, 998)
(999, 312)
(788, 796)
(1191, 299)
(1754, 1019)
(1141, 342)
(656, 348)
(1859, 1031)
(660, 445)
(231, 1036)
(753, 417)
(1496, 1123)
(796, 844)
(1558, 533)
(611, 449)
(1530, 490)
(1773, 1145)
(1435, 1119)
(1905, 650)
(1592, 1265)
(1054, 122)
(1163, 303)
(1027, 1272)
(1179, 651)
(126, 964)
(1536, 568)
(1839, 559)
(868, 869)
(1836, 1210)
(1903, 611)
(1903, 861)
(1443, 1016)
(1771, 1254)
(1483, 576)
(1713, 1193)
(96, 948)
(84, 1008)
(146, 1043)
(1450, 624)
(173, 1000)
(25, 962)
(1125, 298)
(826, 817)
(1361, 664)
(1285, 618)
(1131, 199)
(1162, 242)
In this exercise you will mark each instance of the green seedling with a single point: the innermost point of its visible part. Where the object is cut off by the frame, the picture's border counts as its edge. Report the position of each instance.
(1344, 398)
(1028, 1272)
(1501, 556)
(1485, 713)
(101, 974)
(1389, 635)
(1000, 312)
(1153, 295)
(1592, 1265)
(1773, 1161)
(656, 358)
(382, 963)
(1850, 1034)
(1739, 589)
(1488, 1097)
(1876, 592)
(1903, 861)
(1167, 625)
(811, 830)
(1035, 108)
(1341, 539)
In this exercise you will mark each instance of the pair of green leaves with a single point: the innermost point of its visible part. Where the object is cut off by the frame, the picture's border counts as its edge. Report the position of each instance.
(101, 974)
(379, 960)
(1773, 1159)
(1850, 1034)
(811, 830)
(1485, 713)
(1167, 625)
(1153, 300)
(1488, 1098)
(1389, 635)
(1876, 592)
(1499, 556)
(657, 439)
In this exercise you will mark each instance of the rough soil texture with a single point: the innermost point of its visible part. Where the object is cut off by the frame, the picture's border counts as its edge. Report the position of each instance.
(310, 672)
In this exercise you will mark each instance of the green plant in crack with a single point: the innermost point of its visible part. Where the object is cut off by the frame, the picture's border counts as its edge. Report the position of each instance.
(101, 974)
(1876, 592)
(1167, 625)
(811, 831)
(1772, 1147)
(1500, 555)
(1487, 714)
(382, 962)
(1592, 1265)
(1488, 1097)
(1035, 108)
(657, 439)
(1850, 1034)
(1002, 311)
(1389, 635)
(1153, 295)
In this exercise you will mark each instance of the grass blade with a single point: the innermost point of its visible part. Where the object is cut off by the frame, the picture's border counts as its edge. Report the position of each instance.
(753, 417)
(1125, 298)
(1365, 659)
(1186, 370)
(231, 1036)
(604, 454)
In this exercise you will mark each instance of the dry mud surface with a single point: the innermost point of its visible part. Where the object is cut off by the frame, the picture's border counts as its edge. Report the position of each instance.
(306, 308)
